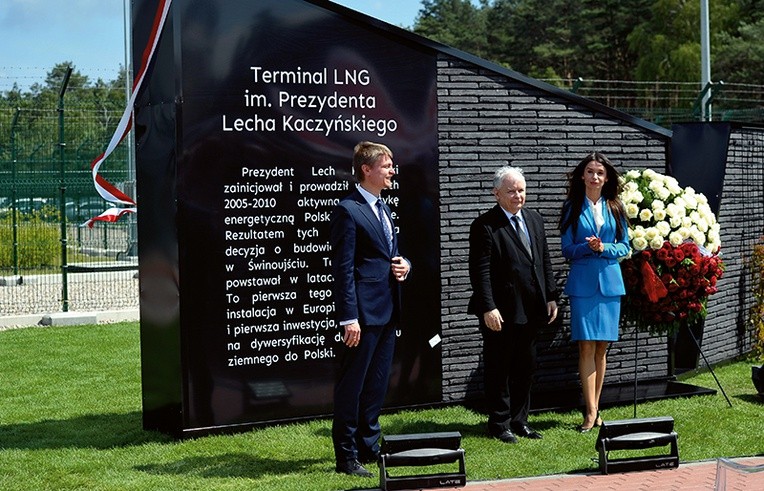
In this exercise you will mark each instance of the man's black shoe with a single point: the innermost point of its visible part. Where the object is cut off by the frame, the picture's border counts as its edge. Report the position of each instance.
(353, 468)
(526, 431)
(506, 436)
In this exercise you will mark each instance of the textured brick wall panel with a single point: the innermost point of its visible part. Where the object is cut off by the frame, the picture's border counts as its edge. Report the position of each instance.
(487, 120)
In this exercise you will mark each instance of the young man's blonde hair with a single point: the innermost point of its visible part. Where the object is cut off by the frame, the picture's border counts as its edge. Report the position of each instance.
(367, 153)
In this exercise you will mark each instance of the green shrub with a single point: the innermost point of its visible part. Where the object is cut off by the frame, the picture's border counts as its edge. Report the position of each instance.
(39, 240)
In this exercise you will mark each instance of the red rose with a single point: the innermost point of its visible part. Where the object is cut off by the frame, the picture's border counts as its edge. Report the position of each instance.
(662, 254)
(678, 254)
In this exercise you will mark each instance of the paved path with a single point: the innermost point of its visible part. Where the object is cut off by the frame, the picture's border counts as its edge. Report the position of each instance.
(688, 476)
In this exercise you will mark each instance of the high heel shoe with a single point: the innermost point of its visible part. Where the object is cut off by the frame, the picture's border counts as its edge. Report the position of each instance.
(598, 421)
(584, 429)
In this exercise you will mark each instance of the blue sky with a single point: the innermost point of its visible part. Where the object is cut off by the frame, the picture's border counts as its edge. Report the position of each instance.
(37, 34)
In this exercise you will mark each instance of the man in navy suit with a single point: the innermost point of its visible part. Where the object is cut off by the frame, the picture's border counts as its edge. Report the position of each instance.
(367, 270)
(514, 294)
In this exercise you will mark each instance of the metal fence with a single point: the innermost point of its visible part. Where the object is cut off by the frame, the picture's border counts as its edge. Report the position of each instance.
(665, 103)
(49, 261)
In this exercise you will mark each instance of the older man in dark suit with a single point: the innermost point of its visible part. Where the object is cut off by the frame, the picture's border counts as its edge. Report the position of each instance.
(367, 270)
(514, 294)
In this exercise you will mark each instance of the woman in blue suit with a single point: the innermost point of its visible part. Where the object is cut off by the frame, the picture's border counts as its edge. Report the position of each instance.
(594, 232)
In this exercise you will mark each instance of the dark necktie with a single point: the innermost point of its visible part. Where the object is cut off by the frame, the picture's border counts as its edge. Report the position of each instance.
(522, 233)
(385, 226)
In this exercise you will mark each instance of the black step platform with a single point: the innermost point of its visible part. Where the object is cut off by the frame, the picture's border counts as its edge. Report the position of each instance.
(421, 449)
(637, 434)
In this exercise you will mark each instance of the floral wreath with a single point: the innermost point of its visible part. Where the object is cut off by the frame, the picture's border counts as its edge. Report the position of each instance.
(675, 263)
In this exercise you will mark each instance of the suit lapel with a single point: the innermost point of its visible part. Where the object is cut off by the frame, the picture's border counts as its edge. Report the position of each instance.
(509, 229)
(530, 225)
(588, 215)
(374, 222)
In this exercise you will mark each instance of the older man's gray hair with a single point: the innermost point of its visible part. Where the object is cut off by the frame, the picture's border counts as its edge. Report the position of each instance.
(505, 172)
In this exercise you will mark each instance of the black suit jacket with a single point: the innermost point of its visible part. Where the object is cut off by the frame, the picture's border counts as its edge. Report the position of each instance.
(503, 275)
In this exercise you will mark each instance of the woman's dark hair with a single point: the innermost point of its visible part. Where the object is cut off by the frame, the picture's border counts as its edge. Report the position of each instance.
(571, 209)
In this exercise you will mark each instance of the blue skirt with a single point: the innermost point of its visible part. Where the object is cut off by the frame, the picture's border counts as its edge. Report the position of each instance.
(594, 318)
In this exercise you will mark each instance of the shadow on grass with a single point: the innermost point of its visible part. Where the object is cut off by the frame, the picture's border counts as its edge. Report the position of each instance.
(99, 431)
(465, 429)
(750, 398)
(231, 465)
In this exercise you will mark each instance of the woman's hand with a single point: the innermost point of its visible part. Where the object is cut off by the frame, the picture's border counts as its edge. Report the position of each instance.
(595, 243)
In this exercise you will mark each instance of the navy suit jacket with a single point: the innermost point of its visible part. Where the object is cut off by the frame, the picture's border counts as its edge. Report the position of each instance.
(503, 275)
(364, 285)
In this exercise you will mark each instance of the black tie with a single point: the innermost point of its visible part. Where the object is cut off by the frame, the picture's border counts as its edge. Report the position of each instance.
(385, 227)
(521, 232)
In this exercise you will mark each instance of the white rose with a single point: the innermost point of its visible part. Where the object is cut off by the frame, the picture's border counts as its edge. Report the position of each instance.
(687, 222)
(645, 215)
(627, 197)
(639, 243)
(701, 199)
(674, 191)
(672, 182)
(705, 212)
(684, 232)
(680, 202)
(632, 210)
(663, 228)
(698, 237)
(651, 233)
(689, 201)
(649, 174)
(675, 238)
(656, 242)
(659, 215)
(658, 205)
(675, 222)
(633, 174)
(638, 231)
(630, 186)
(675, 211)
(699, 221)
(655, 185)
(663, 193)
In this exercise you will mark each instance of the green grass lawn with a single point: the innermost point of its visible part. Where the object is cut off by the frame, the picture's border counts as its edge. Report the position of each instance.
(70, 418)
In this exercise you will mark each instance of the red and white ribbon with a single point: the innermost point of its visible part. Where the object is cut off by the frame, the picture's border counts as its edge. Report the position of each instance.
(104, 188)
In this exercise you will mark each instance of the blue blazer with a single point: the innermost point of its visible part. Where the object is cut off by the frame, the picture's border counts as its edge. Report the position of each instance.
(590, 271)
(364, 285)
